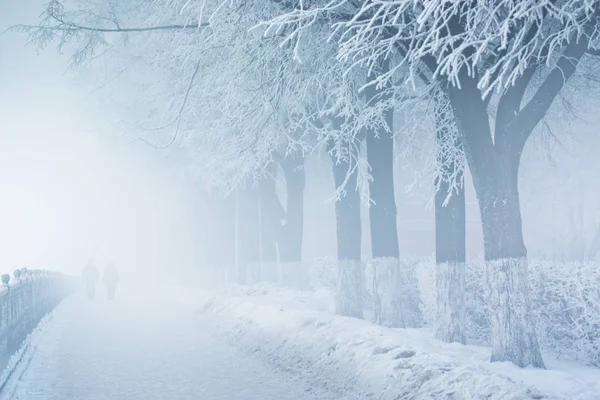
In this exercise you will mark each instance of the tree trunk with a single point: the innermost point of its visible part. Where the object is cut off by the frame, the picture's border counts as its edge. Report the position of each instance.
(387, 285)
(450, 232)
(219, 226)
(227, 259)
(495, 176)
(513, 333)
(248, 234)
(349, 296)
(271, 215)
(450, 265)
(290, 237)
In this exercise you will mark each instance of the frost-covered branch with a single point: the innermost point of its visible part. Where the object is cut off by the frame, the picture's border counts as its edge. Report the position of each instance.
(495, 40)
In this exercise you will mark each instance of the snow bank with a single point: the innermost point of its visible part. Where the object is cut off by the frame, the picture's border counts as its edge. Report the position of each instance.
(565, 300)
(298, 330)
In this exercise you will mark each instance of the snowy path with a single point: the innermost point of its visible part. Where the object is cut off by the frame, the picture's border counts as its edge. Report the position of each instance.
(144, 348)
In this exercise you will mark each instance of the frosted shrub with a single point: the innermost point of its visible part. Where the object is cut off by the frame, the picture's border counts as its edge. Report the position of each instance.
(478, 325)
(477, 318)
(323, 274)
(425, 274)
(411, 297)
(565, 301)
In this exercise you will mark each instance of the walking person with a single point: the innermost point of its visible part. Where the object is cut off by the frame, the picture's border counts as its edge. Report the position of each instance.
(110, 280)
(90, 279)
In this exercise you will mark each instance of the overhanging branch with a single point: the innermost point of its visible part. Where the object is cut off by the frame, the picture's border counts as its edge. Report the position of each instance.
(177, 120)
(532, 113)
(72, 25)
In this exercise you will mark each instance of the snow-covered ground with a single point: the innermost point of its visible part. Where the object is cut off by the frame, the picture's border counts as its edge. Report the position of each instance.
(143, 347)
(299, 330)
(260, 342)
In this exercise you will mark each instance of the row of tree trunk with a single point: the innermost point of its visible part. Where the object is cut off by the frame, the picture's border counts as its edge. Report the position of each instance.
(269, 235)
(264, 224)
(269, 232)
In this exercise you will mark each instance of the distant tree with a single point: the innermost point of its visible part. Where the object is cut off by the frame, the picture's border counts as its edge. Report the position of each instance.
(290, 238)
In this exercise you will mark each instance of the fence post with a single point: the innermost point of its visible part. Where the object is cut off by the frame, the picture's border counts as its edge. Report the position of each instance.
(5, 318)
(24, 300)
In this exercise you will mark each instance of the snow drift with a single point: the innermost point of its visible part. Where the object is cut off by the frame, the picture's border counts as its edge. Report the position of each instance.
(298, 330)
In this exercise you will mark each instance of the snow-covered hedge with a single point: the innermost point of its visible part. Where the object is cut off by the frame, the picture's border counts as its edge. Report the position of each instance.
(565, 300)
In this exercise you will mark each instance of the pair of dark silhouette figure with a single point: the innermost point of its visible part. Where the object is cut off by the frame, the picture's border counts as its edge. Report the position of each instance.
(109, 280)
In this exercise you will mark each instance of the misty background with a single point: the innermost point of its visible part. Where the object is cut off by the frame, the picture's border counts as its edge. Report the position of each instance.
(75, 187)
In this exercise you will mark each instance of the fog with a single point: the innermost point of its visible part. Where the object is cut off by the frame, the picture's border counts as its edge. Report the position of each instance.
(73, 187)
(198, 146)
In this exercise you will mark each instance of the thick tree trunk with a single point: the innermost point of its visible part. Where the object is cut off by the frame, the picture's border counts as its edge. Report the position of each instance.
(450, 232)
(271, 216)
(349, 296)
(387, 285)
(248, 234)
(290, 238)
(495, 176)
(450, 265)
(513, 332)
(450, 274)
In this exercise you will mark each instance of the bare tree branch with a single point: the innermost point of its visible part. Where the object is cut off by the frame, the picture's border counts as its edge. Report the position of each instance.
(178, 118)
(71, 25)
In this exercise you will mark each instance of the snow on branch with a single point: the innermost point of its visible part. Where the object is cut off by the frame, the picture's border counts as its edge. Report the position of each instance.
(495, 41)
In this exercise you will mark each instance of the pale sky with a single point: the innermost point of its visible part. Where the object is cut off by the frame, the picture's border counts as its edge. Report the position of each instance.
(70, 188)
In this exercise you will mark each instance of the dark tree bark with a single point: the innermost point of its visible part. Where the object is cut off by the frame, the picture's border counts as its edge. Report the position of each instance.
(450, 233)
(218, 233)
(387, 286)
(248, 233)
(347, 212)
(495, 168)
(271, 215)
(380, 156)
(495, 174)
(495, 179)
(290, 240)
(349, 296)
(450, 224)
(294, 273)
(282, 229)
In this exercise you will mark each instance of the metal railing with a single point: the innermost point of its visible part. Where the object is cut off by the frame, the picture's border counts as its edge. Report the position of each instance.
(25, 298)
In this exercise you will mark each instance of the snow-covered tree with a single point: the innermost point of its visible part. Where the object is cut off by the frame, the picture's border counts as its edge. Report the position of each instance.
(228, 95)
(450, 225)
(505, 62)
(382, 207)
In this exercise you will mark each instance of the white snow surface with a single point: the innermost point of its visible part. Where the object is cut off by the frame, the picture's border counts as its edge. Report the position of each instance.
(143, 347)
(299, 330)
